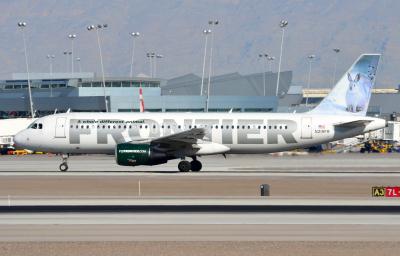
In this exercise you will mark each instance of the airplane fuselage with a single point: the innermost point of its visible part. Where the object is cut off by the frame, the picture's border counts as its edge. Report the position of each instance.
(238, 132)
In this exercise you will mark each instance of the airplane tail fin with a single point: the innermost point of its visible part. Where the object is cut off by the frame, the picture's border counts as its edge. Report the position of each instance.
(351, 94)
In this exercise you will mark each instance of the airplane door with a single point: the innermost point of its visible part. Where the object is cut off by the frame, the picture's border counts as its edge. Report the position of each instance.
(60, 127)
(306, 128)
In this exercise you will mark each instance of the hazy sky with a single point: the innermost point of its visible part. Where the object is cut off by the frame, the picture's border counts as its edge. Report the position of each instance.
(173, 28)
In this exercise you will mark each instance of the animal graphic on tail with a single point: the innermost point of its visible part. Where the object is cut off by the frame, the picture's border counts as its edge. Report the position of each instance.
(358, 92)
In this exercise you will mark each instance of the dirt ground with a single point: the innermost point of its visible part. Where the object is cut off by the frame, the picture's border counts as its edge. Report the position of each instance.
(200, 248)
(190, 186)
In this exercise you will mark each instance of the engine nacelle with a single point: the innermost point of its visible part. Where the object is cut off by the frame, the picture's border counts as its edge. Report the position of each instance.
(128, 154)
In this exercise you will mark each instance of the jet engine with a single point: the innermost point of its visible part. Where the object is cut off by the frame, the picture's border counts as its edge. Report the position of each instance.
(128, 154)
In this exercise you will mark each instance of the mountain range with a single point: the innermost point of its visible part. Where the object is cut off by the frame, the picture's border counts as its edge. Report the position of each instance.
(174, 29)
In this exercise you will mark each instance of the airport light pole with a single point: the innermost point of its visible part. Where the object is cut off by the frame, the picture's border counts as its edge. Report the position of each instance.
(97, 28)
(72, 37)
(270, 60)
(22, 26)
(210, 23)
(157, 56)
(134, 36)
(151, 55)
(336, 50)
(78, 59)
(310, 59)
(67, 53)
(206, 32)
(50, 57)
(264, 58)
(282, 24)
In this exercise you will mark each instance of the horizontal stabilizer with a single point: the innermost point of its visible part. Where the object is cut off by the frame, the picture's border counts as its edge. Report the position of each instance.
(353, 124)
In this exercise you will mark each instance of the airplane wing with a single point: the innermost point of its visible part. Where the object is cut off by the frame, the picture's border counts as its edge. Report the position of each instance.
(189, 136)
(174, 142)
(353, 124)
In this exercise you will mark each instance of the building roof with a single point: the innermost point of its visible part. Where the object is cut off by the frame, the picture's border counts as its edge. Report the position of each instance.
(229, 84)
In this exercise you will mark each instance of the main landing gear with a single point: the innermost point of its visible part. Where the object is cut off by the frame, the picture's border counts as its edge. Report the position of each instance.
(194, 166)
(64, 165)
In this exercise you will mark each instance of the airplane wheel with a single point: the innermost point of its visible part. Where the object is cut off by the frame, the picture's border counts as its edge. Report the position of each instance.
(195, 166)
(184, 166)
(63, 167)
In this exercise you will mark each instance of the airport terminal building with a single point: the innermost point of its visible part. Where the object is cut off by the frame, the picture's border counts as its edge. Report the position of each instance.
(84, 92)
(240, 93)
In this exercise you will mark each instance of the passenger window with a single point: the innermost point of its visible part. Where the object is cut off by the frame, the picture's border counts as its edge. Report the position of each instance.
(265, 127)
(40, 126)
(154, 127)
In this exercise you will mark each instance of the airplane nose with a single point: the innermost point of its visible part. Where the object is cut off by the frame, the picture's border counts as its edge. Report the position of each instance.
(19, 140)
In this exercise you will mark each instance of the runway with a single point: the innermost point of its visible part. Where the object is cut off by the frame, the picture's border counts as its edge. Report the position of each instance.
(336, 164)
(314, 198)
(346, 175)
(191, 225)
(202, 220)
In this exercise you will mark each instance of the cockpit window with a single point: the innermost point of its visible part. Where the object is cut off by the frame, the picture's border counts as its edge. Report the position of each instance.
(36, 126)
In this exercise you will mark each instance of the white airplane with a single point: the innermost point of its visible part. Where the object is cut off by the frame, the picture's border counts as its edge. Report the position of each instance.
(154, 138)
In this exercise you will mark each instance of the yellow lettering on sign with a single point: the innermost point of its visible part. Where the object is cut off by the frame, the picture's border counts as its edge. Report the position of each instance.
(378, 191)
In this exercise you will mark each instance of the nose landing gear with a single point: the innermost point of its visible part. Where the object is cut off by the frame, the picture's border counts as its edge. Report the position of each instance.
(64, 165)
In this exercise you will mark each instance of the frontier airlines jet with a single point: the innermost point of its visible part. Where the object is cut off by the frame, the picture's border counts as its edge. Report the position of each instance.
(154, 138)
